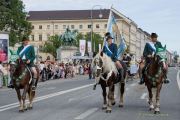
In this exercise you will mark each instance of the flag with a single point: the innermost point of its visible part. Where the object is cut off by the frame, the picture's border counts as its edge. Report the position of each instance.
(89, 47)
(122, 47)
(113, 29)
(82, 47)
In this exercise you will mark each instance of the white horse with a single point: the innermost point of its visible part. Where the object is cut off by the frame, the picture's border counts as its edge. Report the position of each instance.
(106, 75)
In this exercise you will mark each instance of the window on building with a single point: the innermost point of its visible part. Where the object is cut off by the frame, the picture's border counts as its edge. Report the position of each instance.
(48, 35)
(105, 26)
(64, 26)
(33, 27)
(48, 26)
(40, 26)
(40, 37)
(89, 26)
(80, 26)
(32, 37)
(56, 26)
(97, 25)
(72, 26)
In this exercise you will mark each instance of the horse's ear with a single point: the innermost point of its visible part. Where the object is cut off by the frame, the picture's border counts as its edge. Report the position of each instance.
(101, 54)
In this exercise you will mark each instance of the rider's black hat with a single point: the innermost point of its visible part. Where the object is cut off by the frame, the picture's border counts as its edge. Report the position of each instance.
(154, 35)
(108, 36)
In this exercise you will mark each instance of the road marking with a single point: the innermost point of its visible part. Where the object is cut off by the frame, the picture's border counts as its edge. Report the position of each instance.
(178, 80)
(86, 114)
(143, 96)
(14, 105)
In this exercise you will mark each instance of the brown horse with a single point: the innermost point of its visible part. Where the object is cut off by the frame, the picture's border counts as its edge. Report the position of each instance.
(154, 77)
(106, 75)
(21, 79)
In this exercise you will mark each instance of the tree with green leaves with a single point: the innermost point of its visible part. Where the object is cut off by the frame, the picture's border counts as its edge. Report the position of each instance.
(52, 45)
(13, 19)
(96, 39)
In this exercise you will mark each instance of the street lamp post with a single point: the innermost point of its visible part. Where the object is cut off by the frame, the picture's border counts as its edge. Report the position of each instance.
(53, 27)
(100, 16)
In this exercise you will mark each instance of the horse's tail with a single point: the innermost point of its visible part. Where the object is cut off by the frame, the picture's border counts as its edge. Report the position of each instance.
(38, 74)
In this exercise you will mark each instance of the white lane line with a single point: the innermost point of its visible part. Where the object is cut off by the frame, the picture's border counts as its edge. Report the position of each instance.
(86, 114)
(143, 96)
(14, 105)
(1, 107)
(178, 80)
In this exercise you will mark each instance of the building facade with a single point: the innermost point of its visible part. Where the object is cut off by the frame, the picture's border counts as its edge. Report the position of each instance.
(49, 23)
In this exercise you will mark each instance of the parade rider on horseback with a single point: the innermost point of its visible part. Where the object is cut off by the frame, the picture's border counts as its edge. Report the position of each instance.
(149, 50)
(113, 48)
(27, 54)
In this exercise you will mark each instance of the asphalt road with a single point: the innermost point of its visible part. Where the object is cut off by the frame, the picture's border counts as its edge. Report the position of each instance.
(73, 99)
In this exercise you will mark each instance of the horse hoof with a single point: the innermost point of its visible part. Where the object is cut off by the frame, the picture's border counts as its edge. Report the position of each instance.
(108, 111)
(150, 109)
(156, 112)
(30, 108)
(113, 103)
(121, 106)
(21, 111)
(103, 108)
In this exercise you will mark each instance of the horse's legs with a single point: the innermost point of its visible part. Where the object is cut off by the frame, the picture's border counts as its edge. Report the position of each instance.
(103, 86)
(122, 86)
(113, 102)
(151, 106)
(24, 97)
(157, 104)
(31, 97)
(19, 98)
(110, 98)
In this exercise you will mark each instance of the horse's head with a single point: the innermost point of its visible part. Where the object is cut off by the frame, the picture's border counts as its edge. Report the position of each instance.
(19, 62)
(17, 67)
(97, 64)
(160, 56)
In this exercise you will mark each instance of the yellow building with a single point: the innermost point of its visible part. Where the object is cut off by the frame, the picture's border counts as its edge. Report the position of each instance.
(48, 23)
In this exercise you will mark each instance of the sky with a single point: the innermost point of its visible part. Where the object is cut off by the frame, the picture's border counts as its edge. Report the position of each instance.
(160, 16)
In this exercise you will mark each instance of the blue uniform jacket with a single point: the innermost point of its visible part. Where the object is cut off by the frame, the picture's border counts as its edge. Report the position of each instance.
(113, 49)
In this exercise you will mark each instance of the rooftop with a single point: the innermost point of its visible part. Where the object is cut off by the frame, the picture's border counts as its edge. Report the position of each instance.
(69, 15)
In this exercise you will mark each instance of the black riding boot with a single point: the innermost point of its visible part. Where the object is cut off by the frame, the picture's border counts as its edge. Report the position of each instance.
(121, 74)
(33, 84)
(10, 85)
(142, 78)
(166, 81)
